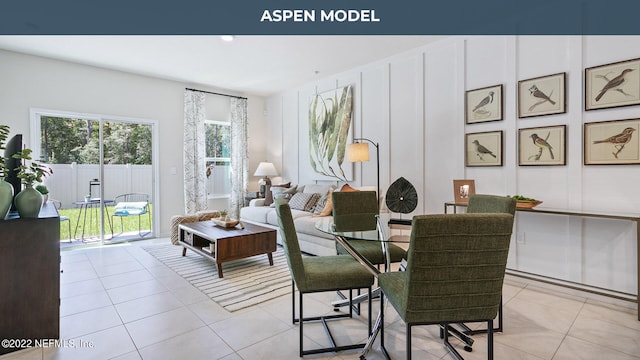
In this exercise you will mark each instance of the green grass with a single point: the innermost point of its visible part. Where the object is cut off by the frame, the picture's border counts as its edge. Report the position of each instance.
(92, 228)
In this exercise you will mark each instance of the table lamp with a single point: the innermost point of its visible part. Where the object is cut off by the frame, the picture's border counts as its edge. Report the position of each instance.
(359, 152)
(265, 169)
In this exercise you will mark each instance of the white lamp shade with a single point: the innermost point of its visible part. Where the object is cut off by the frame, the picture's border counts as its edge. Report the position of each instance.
(266, 169)
(358, 152)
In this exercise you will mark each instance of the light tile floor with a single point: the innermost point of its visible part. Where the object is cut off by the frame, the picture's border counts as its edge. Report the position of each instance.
(118, 302)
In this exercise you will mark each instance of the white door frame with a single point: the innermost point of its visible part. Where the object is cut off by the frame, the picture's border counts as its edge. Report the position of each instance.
(36, 113)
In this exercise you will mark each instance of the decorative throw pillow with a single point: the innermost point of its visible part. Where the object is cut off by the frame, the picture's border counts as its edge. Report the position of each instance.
(313, 200)
(299, 200)
(347, 188)
(282, 193)
(324, 205)
(268, 197)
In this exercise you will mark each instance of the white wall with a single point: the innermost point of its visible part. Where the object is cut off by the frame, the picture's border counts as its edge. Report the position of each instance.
(36, 82)
(413, 104)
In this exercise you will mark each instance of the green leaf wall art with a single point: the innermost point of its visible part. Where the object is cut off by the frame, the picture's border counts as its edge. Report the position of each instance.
(330, 116)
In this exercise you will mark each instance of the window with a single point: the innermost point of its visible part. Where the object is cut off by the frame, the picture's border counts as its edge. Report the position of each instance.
(218, 158)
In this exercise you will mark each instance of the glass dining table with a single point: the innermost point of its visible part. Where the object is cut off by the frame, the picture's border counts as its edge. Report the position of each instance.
(327, 226)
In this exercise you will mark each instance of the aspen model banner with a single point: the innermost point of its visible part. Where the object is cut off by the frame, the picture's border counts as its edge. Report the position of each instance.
(351, 15)
(319, 17)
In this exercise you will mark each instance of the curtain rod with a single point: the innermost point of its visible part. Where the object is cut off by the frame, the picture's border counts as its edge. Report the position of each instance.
(215, 93)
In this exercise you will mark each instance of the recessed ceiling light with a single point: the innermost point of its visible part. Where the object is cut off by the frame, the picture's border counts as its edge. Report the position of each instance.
(227, 38)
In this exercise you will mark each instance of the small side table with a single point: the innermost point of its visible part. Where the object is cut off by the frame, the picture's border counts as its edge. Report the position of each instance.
(90, 207)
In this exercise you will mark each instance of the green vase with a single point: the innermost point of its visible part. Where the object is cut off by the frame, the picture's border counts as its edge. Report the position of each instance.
(6, 198)
(28, 202)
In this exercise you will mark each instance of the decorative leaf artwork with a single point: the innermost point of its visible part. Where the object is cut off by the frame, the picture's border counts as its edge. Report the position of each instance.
(402, 196)
(329, 123)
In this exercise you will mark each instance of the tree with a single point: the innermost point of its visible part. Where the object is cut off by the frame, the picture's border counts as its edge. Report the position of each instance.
(67, 140)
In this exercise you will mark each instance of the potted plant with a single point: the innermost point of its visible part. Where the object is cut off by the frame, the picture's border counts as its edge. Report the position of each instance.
(29, 200)
(42, 189)
(6, 190)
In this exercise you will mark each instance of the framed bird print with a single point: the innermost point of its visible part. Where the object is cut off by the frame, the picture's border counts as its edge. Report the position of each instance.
(484, 104)
(542, 145)
(483, 149)
(612, 142)
(612, 85)
(543, 95)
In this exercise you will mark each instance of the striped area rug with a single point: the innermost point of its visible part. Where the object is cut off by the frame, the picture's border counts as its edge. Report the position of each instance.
(246, 282)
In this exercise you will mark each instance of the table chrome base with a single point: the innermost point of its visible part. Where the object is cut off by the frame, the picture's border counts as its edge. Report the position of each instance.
(375, 293)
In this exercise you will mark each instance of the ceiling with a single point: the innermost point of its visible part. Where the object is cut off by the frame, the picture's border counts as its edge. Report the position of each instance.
(256, 65)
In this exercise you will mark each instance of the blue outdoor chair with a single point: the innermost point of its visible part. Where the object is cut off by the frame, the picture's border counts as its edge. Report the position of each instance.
(133, 204)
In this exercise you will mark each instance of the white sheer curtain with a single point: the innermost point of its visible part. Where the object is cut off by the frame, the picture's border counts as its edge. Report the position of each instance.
(195, 180)
(239, 155)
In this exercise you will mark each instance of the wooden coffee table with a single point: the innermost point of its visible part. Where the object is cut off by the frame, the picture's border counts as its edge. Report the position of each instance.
(226, 244)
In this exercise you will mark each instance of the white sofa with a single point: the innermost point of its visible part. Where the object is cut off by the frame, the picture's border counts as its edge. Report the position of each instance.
(311, 240)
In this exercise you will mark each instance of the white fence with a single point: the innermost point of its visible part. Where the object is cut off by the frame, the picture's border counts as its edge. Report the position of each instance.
(70, 182)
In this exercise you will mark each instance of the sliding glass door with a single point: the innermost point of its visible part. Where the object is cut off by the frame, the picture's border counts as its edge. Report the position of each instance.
(103, 174)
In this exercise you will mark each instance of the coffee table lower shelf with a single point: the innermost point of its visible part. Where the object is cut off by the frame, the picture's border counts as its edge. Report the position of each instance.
(228, 244)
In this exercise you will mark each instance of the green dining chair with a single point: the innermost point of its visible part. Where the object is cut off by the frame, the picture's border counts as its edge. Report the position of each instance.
(482, 203)
(319, 274)
(357, 211)
(455, 272)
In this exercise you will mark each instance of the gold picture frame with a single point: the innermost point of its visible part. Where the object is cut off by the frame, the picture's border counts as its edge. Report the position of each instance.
(483, 105)
(462, 189)
(483, 149)
(542, 145)
(613, 142)
(544, 95)
(612, 85)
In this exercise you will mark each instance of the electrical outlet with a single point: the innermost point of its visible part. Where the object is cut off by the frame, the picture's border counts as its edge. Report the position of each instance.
(520, 238)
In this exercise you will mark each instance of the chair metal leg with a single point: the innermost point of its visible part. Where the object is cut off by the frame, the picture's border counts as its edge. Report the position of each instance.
(324, 321)
(140, 233)
(293, 302)
(356, 308)
(150, 224)
(446, 330)
(468, 331)
(369, 312)
(448, 345)
(301, 321)
(408, 342)
(490, 340)
(382, 322)
(121, 228)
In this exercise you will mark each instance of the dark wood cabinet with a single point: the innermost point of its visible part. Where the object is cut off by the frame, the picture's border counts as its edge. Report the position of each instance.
(30, 278)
